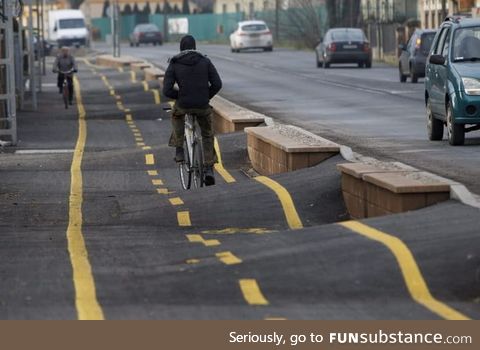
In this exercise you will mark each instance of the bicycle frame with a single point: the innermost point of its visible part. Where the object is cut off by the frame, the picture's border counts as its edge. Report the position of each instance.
(190, 133)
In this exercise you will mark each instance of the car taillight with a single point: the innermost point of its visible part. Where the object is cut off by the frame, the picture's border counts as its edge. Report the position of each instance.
(418, 43)
(366, 47)
(332, 47)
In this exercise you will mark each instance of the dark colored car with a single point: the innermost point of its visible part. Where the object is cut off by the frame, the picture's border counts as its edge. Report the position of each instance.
(146, 34)
(414, 55)
(344, 45)
(452, 80)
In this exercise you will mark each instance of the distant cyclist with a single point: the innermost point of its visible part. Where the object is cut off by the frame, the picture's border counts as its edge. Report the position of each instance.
(65, 62)
(198, 81)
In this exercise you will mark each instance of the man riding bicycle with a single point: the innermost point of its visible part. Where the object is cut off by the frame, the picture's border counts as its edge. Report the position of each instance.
(65, 62)
(198, 81)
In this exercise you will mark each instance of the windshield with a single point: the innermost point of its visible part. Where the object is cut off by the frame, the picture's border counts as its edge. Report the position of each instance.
(347, 35)
(427, 40)
(254, 27)
(466, 44)
(147, 28)
(71, 23)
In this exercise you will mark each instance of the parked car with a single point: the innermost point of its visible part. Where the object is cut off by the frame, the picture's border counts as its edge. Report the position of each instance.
(414, 55)
(146, 34)
(452, 81)
(344, 45)
(251, 35)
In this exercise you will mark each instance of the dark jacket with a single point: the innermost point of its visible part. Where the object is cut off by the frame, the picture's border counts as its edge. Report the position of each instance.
(197, 79)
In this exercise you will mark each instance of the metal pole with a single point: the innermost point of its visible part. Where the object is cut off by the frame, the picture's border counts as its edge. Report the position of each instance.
(277, 19)
(42, 34)
(117, 28)
(31, 53)
(38, 71)
(22, 55)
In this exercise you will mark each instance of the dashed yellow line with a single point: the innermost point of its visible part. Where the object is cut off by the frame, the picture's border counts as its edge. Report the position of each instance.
(228, 258)
(157, 182)
(146, 148)
(183, 218)
(176, 201)
(411, 273)
(251, 292)
(156, 95)
(128, 118)
(165, 191)
(133, 76)
(87, 305)
(149, 159)
(286, 200)
(145, 85)
(206, 242)
(152, 172)
(219, 166)
(140, 144)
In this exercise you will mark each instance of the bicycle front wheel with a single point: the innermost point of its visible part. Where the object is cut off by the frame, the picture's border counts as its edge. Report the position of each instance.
(65, 95)
(185, 167)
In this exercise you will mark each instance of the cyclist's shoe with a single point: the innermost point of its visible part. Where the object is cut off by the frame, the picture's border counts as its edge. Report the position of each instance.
(209, 176)
(179, 155)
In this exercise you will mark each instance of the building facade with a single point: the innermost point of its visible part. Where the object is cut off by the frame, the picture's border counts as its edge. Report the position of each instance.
(433, 12)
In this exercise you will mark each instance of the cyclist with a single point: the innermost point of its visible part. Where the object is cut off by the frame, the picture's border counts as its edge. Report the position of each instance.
(198, 81)
(65, 62)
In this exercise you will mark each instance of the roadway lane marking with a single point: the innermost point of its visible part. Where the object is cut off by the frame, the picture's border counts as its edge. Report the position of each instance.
(205, 242)
(129, 118)
(411, 272)
(87, 305)
(251, 292)
(145, 85)
(157, 182)
(183, 218)
(149, 159)
(176, 201)
(228, 258)
(134, 76)
(156, 95)
(165, 191)
(219, 166)
(286, 200)
(146, 148)
(152, 172)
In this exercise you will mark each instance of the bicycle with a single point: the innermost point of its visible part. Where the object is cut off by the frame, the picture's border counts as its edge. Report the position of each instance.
(65, 92)
(191, 169)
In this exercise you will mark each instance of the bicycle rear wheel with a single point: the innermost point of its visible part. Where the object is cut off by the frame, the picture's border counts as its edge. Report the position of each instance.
(65, 95)
(198, 173)
(185, 167)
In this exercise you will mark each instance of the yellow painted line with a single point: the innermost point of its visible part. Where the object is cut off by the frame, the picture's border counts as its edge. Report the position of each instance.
(166, 191)
(176, 201)
(112, 92)
(128, 117)
(133, 127)
(145, 85)
(157, 182)
(118, 97)
(134, 76)
(152, 172)
(146, 148)
(183, 218)
(87, 62)
(127, 110)
(139, 139)
(140, 144)
(149, 159)
(286, 200)
(233, 230)
(120, 69)
(219, 166)
(228, 258)
(251, 292)
(156, 95)
(120, 106)
(86, 303)
(137, 134)
(411, 273)
(205, 242)
(192, 261)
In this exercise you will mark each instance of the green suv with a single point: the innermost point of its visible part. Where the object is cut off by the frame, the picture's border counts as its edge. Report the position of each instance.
(452, 80)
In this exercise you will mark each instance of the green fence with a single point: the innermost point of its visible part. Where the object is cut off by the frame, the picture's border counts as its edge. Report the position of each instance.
(217, 27)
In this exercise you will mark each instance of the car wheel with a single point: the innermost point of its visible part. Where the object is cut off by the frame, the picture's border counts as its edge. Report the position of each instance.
(456, 132)
(403, 77)
(434, 125)
(368, 64)
(317, 61)
(131, 44)
(413, 75)
(326, 65)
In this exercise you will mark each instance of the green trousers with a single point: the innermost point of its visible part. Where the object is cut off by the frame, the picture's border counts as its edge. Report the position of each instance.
(204, 119)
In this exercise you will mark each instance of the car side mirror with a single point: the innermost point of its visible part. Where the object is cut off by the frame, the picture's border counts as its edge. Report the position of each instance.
(437, 59)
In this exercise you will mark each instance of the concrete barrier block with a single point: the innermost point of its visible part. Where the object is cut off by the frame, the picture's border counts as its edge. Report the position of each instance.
(229, 117)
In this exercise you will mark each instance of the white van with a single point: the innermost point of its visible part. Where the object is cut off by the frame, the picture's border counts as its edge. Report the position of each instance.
(67, 28)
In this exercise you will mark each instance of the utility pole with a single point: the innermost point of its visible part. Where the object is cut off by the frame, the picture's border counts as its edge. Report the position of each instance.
(277, 19)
